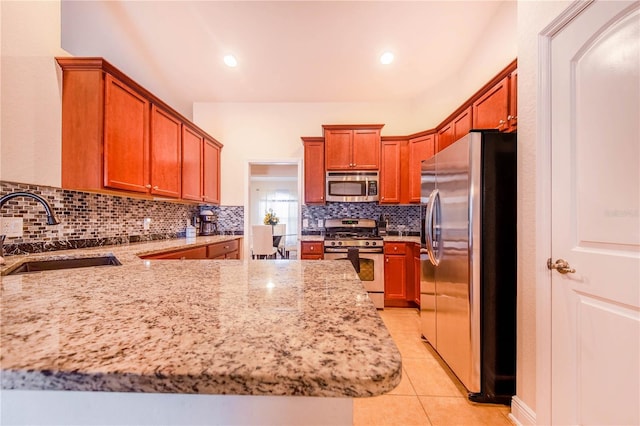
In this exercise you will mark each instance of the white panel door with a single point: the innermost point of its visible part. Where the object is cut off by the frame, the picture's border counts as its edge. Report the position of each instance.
(595, 139)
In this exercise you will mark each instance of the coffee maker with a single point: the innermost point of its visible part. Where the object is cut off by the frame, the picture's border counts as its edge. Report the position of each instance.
(208, 225)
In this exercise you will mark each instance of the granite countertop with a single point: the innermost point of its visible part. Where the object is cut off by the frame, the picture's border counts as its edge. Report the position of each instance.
(276, 327)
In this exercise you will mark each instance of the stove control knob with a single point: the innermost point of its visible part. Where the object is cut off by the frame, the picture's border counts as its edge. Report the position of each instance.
(373, 243)
(367, 243)
(333, 243)
(339, 243)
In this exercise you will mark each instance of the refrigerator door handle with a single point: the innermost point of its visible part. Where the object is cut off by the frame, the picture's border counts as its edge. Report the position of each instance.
(434, 198)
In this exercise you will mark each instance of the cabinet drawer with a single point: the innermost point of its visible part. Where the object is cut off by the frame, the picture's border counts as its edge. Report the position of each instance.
(311, 249)
(194, 253)
(395, 248)
(220, 249)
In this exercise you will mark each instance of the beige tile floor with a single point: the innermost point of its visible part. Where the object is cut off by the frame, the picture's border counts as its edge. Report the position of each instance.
(429, 394)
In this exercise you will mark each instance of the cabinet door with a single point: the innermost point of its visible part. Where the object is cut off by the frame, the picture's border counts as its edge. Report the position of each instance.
(366, 149)
(221, 250)
(311, 250)
(491, 110)
(314, 174)
(126, 138)
(192, 165)
(165, 146)
(416, 274)
(445, 136)
(462, 124)
(512, 118)
(390, 173)
(395, 280)
(338, 150)
(192, 253)
(420, 148)
(211, 172)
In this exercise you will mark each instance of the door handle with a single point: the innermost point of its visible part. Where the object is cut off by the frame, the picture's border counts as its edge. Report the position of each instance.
(561, 266)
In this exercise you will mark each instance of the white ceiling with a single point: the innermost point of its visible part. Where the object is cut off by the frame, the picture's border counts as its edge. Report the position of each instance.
(288, 51)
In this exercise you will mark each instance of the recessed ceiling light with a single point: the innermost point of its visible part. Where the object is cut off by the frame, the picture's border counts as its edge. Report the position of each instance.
(386, 58)
(230, 61)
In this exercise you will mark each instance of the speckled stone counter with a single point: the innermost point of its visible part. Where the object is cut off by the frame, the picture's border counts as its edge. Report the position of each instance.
(227, 327)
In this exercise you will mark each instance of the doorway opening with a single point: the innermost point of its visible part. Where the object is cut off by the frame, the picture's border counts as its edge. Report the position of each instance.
(275, 188)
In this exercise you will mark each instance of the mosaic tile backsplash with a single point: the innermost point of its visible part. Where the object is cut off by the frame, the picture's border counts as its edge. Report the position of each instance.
(88, 219)
(401, 217)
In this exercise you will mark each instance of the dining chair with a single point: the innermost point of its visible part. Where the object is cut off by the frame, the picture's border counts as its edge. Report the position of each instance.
(262, 242)
(280, 230)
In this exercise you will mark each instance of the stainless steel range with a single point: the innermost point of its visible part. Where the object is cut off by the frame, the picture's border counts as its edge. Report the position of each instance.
(343, 235)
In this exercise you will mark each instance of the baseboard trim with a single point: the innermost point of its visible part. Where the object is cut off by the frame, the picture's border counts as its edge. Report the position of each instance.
(521, 414)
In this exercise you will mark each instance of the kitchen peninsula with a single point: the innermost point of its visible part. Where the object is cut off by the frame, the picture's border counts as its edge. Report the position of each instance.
(190, 341)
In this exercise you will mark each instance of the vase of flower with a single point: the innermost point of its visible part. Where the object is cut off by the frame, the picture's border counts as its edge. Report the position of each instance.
(270, 218)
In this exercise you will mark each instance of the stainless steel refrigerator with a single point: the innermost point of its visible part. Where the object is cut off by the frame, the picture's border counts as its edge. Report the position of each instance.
(468, 261)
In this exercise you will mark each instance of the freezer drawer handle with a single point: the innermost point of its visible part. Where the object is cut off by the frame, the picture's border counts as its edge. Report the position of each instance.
(561, 266)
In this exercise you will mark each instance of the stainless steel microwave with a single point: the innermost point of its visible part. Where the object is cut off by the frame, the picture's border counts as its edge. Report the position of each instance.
(352, 187)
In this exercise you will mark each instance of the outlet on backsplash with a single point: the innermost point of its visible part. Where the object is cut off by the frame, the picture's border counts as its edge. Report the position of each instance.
(146, 223)
(11, 227)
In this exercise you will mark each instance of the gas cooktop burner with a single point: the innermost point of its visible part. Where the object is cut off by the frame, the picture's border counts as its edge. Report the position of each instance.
(344, 233)
(352, 237)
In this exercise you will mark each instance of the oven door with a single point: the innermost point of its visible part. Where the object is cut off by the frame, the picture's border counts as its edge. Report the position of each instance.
(371, 273)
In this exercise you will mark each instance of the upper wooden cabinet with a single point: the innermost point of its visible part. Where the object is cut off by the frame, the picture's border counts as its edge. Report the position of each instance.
(352, 147)
(192, 164)
(211, 171)
(454, 129)
(420, 148)
(166, 153)
(497, 107)
(390, 172)
(118, 136)
(126, 139)
(491, 111)
(314, 172)
(200, 167)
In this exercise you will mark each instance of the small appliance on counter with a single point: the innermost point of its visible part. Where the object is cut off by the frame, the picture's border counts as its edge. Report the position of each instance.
(383, 222)
(208, 225)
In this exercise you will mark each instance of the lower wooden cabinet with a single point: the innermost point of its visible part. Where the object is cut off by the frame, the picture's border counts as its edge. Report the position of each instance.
(311, 250)
(415, 279)
(192, 253)
(401, 274)
(223, 250)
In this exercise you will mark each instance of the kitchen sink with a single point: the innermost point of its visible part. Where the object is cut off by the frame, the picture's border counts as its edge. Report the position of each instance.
(57, 264)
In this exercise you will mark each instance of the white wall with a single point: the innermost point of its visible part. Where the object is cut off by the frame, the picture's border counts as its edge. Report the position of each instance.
(30, 135)
(497, 48)
(267, 131)
(533, 17)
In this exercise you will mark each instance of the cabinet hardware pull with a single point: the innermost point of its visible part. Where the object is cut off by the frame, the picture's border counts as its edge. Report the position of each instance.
(148, 186)
(156, 187)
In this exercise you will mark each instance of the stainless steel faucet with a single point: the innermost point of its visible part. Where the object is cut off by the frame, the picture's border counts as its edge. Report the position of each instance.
(51, 219)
